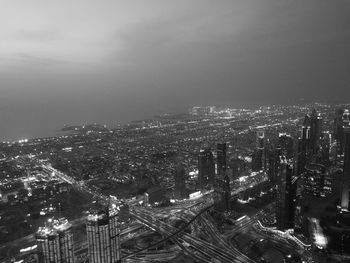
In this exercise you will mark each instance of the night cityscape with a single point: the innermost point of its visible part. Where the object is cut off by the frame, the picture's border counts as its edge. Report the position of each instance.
(269, 184)
(186, 131)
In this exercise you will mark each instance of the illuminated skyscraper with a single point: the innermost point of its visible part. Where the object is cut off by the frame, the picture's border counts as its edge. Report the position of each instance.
(258, 156)
(103, 237)
(221, 158)
(180, 186)
(55, 242)
(206, 168)
(346, 170)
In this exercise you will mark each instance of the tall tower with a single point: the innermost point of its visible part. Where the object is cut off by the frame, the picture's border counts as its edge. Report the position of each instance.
(346, 170)
(315, 130)
(221, 158)
(180, 186)
(304, 145)
(227, 193)
(274, 162)
(285, 203)
(206, 168)
(103, 236)
(338, 130)
(55, 242)
(260, 140)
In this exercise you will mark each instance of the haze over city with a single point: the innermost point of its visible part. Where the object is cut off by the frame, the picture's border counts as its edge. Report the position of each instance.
(64, 62)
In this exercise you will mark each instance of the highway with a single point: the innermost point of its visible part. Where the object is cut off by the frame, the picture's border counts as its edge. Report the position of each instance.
(216, 247)
(208, 250)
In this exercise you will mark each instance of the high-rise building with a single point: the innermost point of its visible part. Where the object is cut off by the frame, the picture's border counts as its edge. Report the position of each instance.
(206, 168)
(180, 186)
(55, 242)
(259, 162)
(285, 202)
(103, 235)
(221, 158)
(260, 139)
(227, 193)
(304, 146)
(286, 144)
(314, 180)
(341, 122)
(338, 124)
(315, 131)
(222, 194)
(346, 170)
(325, 149)
(274, 154)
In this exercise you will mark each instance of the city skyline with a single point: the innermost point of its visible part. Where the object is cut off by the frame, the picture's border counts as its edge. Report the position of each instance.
(174, 131)
(113, 62)
(234, 185)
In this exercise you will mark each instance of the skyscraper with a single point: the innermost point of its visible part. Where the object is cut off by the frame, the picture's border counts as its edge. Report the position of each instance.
(180, 186)
(257, 160)
(338, 124)
(260, 160)
(227, 193)
(103, 237)
(285, 203)
(221, 158)
(286, 144)
(274, 154)
(206, 168)
(304, 146)
(338, 130)
(314, 180)
(55, 242)
(315, 131)
(346, 170)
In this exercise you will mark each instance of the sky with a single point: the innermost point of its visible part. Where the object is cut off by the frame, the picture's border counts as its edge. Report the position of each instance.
(110, 61)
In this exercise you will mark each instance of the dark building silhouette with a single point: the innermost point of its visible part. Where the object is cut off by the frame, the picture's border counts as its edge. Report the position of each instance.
(338, 129)
(227, 193)
(314, 180)
(222, 194)
(286, 144)
(55, 242)
(206, 169)
(257, 160)
(346, 169)
(285, 202)
(274, 154)
(221, 158)
(315, 131)
(303, 155)
(259, 155)
(155, 194)
(324, 150)
(103, 237)
(180, 180)
(338, 124)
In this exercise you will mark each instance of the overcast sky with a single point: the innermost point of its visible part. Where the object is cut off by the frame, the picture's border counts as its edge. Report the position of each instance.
(76, 61)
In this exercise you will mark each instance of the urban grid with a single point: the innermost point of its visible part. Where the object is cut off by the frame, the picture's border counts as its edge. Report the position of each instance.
(215, 185)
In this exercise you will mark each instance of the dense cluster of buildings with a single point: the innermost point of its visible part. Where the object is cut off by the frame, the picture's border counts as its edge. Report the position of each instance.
(185, 156)
(55, 240)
